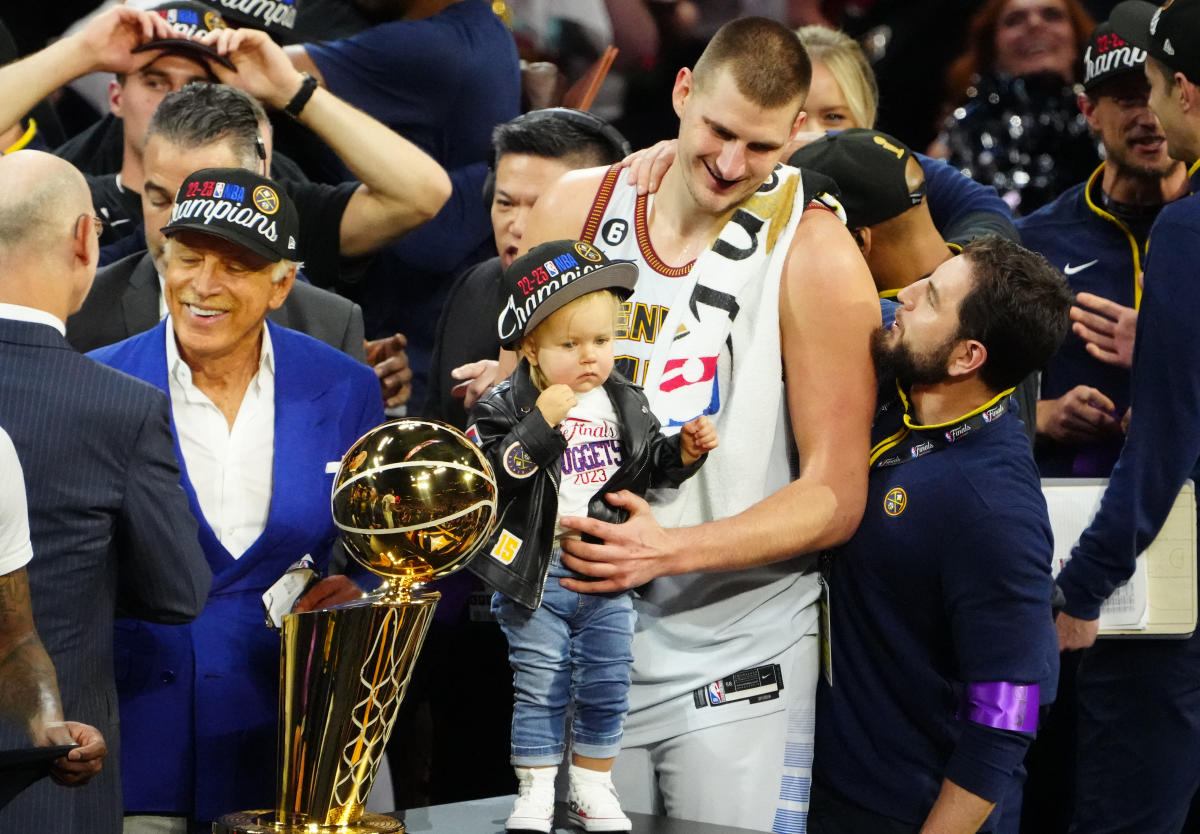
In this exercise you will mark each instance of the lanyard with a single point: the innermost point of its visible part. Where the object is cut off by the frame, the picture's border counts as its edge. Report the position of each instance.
(914, 440)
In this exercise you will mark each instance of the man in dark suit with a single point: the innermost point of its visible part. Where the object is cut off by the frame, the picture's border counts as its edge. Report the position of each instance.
(109, 522)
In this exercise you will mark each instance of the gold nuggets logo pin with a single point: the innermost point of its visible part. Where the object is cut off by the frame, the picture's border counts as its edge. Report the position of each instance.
(895, 501)
(266, 199)
(212, 20)
(588, 252)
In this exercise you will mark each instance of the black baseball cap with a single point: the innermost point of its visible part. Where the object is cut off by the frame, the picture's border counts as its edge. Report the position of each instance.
(1168, 32)
(189, 19)
(551, 275)
(1109, 56)
(869, 168)
(239, 206)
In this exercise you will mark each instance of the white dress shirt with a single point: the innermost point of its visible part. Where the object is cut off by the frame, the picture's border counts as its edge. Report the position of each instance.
(230, 469)
(15, 550)
(32, 315)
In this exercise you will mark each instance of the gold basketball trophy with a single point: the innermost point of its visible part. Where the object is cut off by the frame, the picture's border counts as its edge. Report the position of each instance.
(413, 499)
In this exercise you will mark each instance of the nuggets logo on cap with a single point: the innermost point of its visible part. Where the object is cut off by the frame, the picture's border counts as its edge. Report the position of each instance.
(588, 252)
(266, 199)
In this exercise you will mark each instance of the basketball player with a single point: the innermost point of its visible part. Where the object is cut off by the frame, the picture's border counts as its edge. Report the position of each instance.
(755, 308)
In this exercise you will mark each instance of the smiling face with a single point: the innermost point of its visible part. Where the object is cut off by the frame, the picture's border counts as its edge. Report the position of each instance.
(1035, 36)
(918, 347)
(728, 145)
(218, 295)
(574, 345)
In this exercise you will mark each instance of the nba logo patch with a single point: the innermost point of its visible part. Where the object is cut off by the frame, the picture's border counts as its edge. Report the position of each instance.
(473, 434)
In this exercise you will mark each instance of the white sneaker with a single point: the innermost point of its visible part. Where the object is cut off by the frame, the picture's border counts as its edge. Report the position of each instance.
(593, 801)
(534, 808)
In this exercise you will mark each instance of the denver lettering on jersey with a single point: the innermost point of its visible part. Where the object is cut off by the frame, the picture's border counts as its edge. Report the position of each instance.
(641, 322)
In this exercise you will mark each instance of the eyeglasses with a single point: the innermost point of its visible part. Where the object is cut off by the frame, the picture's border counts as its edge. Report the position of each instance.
(97, 224)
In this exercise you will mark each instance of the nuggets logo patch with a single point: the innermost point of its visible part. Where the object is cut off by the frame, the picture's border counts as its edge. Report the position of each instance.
(895, 501)
(266, 199)
(517, 463)
(588, 252)
(506, 547)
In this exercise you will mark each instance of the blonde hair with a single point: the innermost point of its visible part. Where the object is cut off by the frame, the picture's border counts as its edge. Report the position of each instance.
(844, 59)
(529, 340)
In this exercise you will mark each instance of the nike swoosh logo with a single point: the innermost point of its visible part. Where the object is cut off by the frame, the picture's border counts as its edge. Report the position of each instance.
(1071, 270)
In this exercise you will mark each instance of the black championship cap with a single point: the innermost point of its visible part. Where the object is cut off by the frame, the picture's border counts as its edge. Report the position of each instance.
(549, 276)
(188, 18)
(1170, 33)
(869, 169)
(238, 206)
(1110, 56)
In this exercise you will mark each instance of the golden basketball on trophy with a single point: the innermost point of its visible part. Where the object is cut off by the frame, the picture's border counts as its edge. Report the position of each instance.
(414, 499)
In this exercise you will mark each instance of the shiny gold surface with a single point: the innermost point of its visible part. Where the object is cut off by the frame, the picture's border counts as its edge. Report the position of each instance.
(263, 822)
(345, 672)
(414, 499)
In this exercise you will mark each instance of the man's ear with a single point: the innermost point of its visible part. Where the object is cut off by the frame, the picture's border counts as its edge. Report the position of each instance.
(115, 92)
(685, 83)
(967, 358)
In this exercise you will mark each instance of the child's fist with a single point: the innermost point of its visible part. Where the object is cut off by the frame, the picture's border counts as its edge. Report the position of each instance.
(696, 438)
(555, 402)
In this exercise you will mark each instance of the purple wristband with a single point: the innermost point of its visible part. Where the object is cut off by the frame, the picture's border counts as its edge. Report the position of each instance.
(1002, 705)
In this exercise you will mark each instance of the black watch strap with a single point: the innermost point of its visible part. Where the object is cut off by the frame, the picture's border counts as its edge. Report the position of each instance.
(296, 105)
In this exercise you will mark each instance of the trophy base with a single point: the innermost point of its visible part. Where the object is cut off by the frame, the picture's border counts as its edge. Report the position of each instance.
(263, 822)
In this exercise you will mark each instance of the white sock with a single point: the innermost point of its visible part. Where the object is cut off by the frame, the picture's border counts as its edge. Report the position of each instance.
(592, 777)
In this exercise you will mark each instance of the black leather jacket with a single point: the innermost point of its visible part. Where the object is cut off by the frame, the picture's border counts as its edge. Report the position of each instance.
(524, 451)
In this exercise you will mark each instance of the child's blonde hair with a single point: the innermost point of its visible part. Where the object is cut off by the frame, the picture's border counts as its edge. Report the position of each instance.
(528, 341)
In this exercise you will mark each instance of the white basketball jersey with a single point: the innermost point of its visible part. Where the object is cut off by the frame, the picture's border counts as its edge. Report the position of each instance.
(699, 628)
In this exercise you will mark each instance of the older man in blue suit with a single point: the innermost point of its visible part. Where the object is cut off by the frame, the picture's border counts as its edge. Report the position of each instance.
(261, 415)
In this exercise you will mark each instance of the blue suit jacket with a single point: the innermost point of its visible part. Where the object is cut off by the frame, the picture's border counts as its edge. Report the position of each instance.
(110, 527)
(199, 702)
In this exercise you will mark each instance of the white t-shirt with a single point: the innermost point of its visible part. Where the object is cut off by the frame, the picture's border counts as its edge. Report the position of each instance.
(15, 550)
(592, 455)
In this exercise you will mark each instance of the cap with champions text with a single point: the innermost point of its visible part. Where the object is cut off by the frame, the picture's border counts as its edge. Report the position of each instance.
(1110, 56)
(551, 275)
(1170, 33)
(188, 18)
(240, 207)
(870, 169)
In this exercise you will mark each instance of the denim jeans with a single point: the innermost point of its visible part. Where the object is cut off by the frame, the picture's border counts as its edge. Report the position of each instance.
(573, 647)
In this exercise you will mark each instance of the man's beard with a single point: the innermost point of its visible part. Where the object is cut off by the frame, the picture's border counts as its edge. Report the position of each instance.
(896, 359)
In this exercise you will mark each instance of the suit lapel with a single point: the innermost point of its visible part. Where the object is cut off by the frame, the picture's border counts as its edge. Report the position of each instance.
(299, 415)
(139, 301)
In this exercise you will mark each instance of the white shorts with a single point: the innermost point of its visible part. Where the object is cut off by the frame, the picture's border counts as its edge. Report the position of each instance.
(748, 773)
